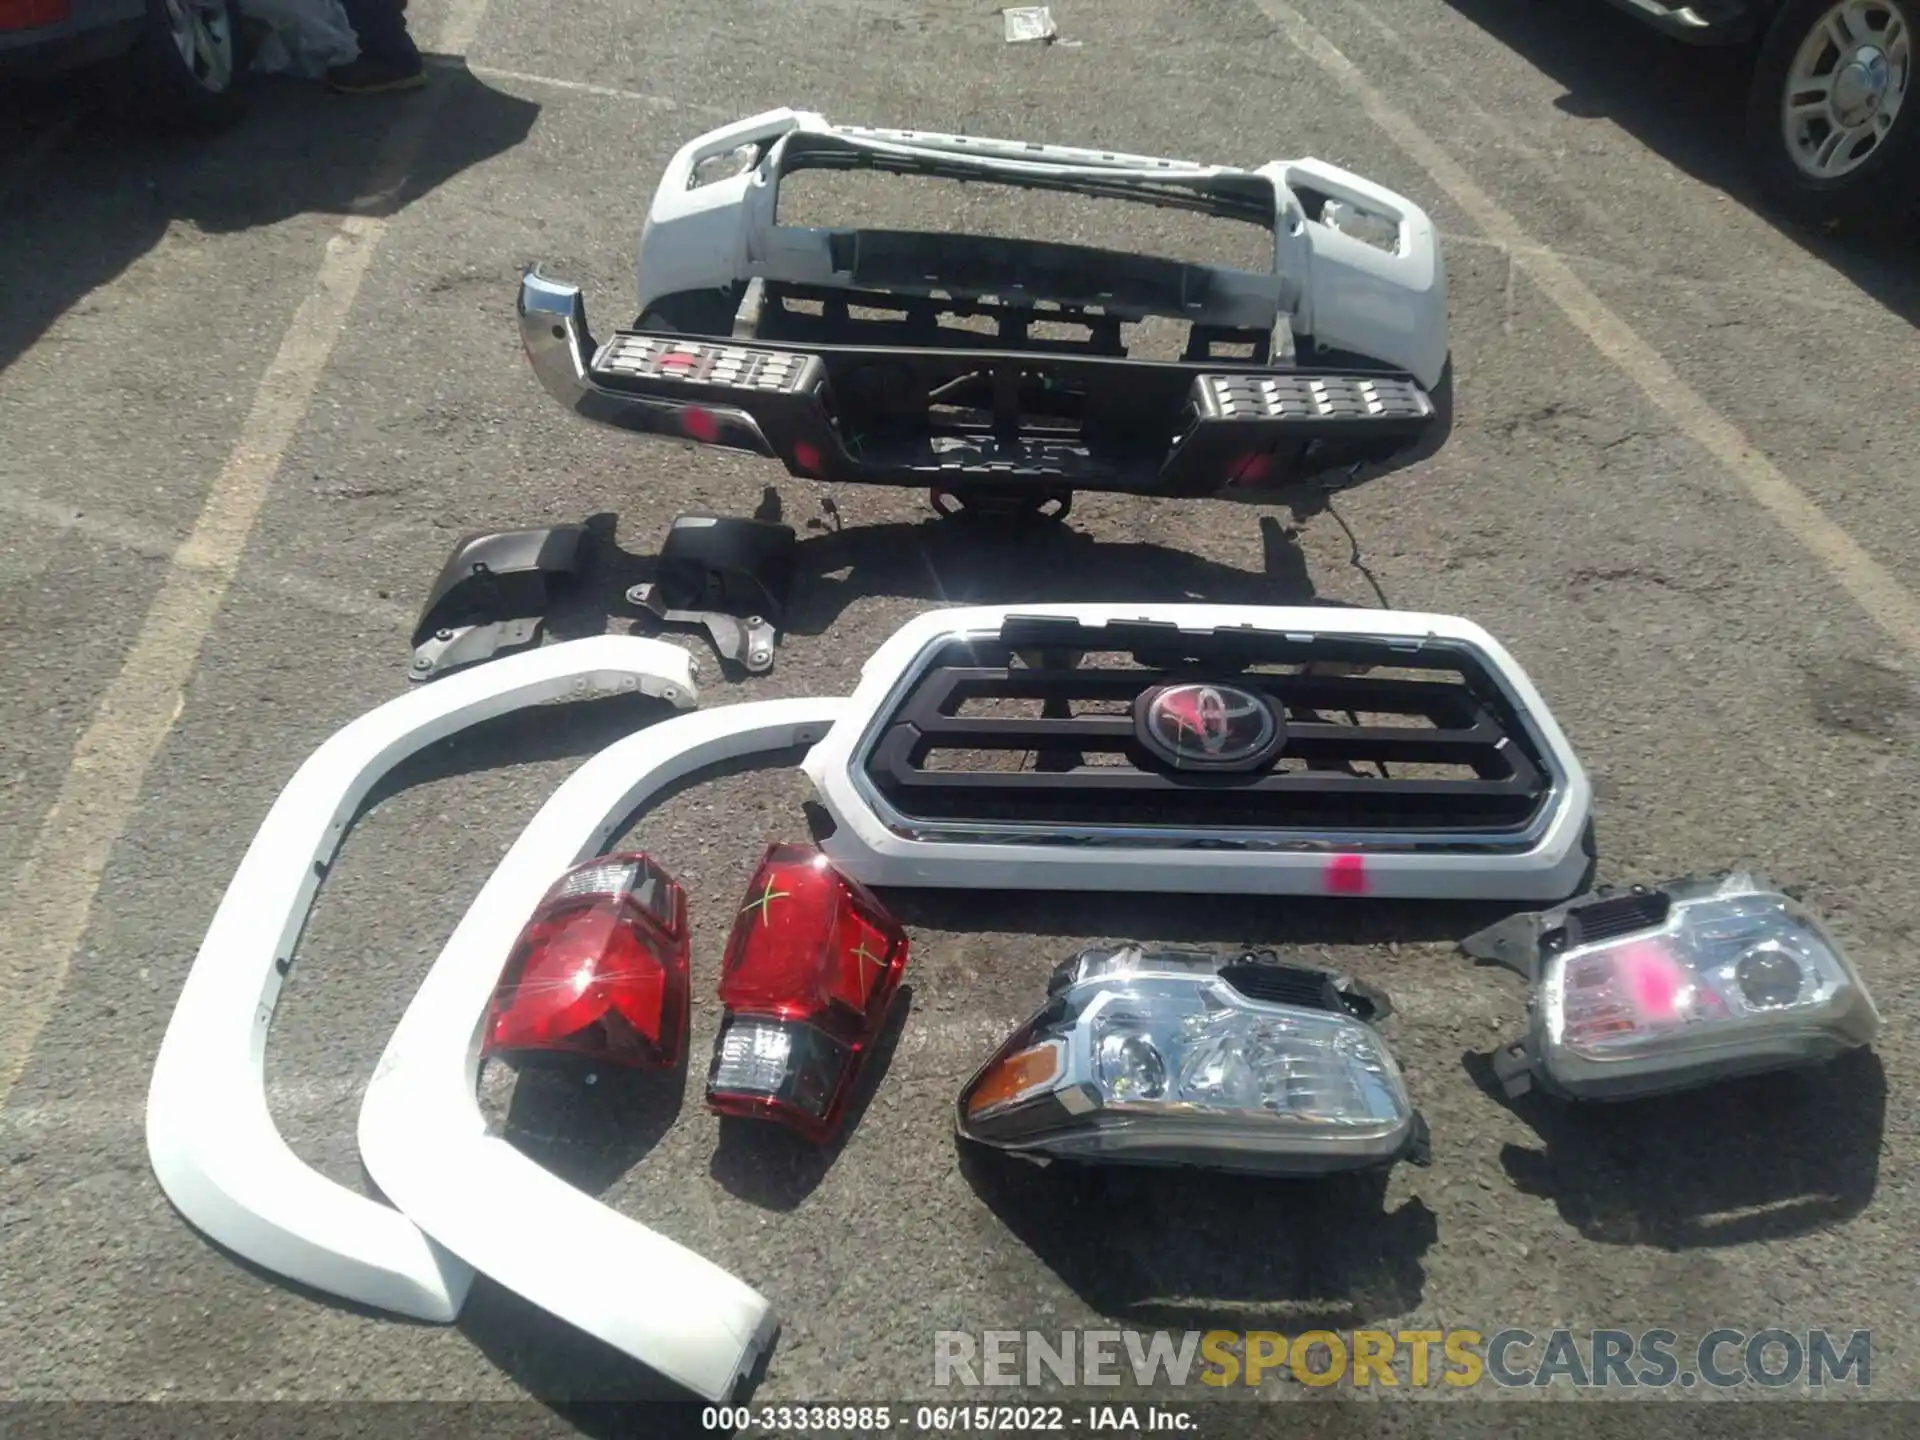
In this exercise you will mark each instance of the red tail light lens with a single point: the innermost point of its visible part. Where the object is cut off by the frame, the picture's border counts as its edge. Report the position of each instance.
(600, 970)
(811, 968)
(28, 14)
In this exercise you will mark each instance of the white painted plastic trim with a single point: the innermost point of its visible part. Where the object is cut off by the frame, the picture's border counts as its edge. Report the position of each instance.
(423, 1136)
(866, 847)
(1344, 292)
(210, 1136)
(1358, 297)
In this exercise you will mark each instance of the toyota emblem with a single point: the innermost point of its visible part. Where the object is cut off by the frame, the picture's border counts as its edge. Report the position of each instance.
(1198, 726)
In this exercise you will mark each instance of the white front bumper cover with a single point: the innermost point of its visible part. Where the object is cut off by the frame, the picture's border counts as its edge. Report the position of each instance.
(210, 1136)
(1346, 294)
(425, 1142)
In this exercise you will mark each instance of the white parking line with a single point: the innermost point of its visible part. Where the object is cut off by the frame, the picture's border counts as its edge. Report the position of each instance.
(139, 539)
(41, 924)
(1873, 587)
(605, 92)
(1856, 310)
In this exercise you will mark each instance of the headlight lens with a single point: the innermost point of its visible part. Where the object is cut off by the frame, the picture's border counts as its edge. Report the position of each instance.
(724, 166)
(1661, 990)
(1165, 1057)
(1129, 1065)
(1369, 227)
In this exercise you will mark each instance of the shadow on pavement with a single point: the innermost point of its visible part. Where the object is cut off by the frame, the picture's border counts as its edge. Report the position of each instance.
(1154, 1250)
(527, 736)
(776, 1169)
(111, 190)
(1687, 104)
(588, 1124)
(960, 562)
(1751, 1160)
(580, 1378)
(976, 563)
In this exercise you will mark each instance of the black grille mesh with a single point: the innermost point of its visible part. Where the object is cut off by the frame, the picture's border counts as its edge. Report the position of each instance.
(1035, 728)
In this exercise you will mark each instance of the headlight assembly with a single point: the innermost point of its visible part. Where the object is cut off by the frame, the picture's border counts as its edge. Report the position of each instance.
(1179, 1057)
(1645, 991)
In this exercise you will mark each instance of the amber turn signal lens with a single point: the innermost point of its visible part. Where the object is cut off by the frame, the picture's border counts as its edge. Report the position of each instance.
(1015, 1077)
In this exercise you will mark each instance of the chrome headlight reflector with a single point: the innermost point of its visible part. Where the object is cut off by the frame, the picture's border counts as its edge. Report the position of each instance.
(1646, 991)
(1178, 1057)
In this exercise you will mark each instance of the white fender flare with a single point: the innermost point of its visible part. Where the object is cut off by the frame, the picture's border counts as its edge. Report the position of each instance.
(210, 1137)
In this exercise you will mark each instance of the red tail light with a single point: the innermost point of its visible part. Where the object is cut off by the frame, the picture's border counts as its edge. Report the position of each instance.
(29, 14)
(600, 970)
(811, 968)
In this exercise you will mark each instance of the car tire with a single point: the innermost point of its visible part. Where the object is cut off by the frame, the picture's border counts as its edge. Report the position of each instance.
(191, 63)
(1801, 54)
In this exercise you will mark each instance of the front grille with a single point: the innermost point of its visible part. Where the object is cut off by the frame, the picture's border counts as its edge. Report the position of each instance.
(1037, 727)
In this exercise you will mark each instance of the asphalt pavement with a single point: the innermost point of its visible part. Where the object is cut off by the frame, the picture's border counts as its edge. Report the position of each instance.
(252, 389)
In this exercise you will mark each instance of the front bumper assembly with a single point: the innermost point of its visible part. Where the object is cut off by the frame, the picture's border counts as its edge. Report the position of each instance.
(790, 373)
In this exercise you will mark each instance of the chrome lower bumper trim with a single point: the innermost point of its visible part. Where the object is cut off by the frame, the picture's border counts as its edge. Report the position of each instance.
(561, 348)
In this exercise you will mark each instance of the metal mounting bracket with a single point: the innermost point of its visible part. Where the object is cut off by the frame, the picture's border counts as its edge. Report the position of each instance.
(746, 642)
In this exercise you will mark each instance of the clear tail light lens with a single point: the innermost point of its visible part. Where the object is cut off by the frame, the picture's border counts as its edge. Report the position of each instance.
(811, 969)
(1654, 990)
(600, 970)
(1235, 1062)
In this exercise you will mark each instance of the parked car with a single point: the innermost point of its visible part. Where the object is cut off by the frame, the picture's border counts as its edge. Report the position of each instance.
(184, 59)
(1833, 124)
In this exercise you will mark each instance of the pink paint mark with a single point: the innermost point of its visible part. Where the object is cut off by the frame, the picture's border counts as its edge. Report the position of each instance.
(1653, 979)
(1250, 469)
(678, 360)
(701, 425)
(807, 456)
(1347, 875)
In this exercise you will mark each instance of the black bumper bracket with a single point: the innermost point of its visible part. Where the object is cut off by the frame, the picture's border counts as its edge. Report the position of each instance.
(728, 576)
(492, 595)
